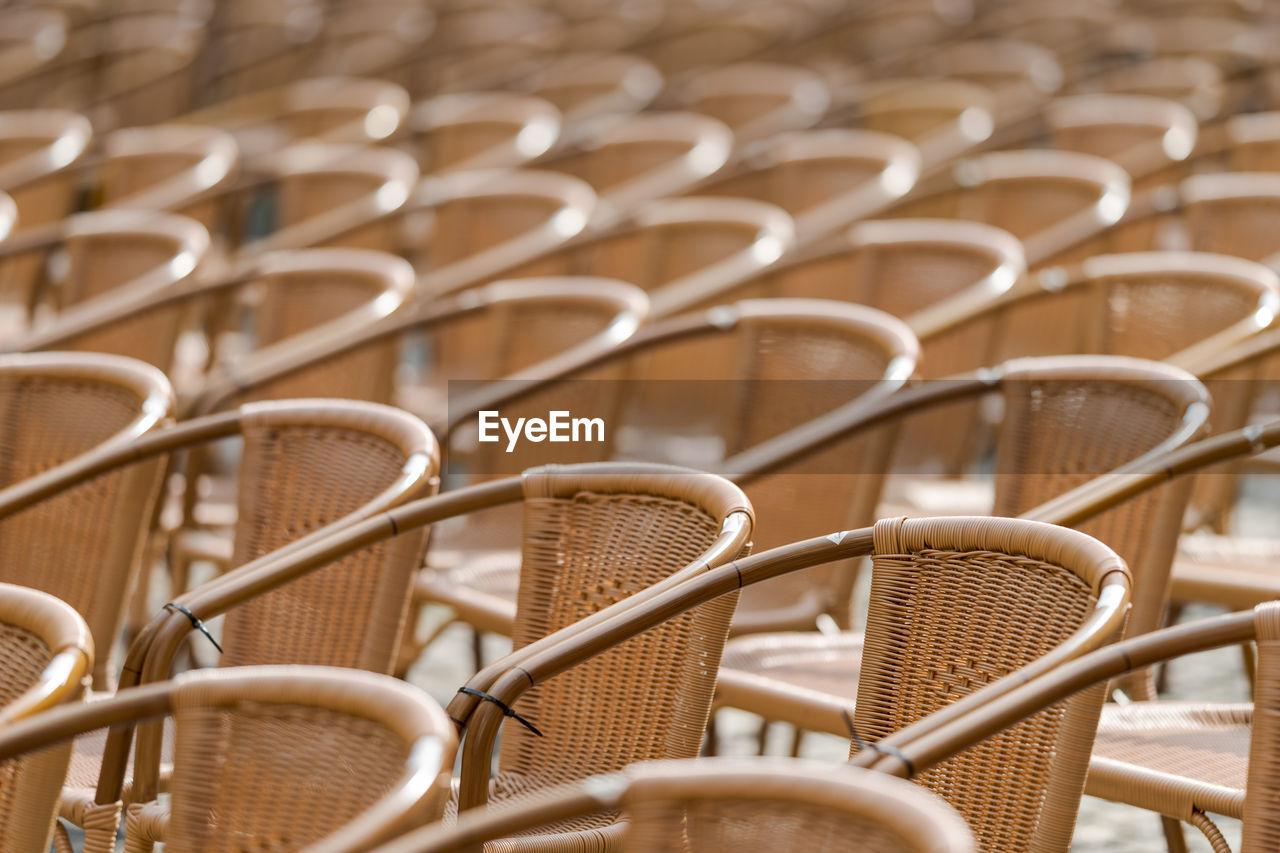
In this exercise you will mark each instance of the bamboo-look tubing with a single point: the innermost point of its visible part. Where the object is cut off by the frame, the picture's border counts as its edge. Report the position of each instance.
(926, 748)
(67, 637)
(482, 729)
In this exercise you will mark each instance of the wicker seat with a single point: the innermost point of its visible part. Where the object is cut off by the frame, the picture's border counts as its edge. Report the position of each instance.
(1179, 759)
(1050, 200)
(715, 803)
(65, 409)
(594, 536)
(678, 250)
(786, 365)
(825, 179)
(1070, 593)
(482, 130)
(757, 100)
(280, 756)
(47, 653)
(1054, 437)
(633, 159)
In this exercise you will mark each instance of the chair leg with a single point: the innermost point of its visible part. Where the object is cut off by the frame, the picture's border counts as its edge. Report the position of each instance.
(711, 744)
(762, 737)
(1201, 821)
(477, 649)
(1249, 654)
(1173, 837)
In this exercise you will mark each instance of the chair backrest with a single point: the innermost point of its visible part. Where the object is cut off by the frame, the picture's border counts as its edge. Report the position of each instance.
(919, 270)
(590, 540)
(82, 545)
(1020, 74)
(678, 250)
(482, 130)
(479, 225)
(825, 179)
(325, 194)
(514, 330)
(944, 119)
(32, 42)
(943, 593)
(756, 99)
(585, 86)
(1180, 307)
(292, 297)
(1193, 82)
(636, 158)
(37, 147)
(46, 652)
(1050, 200)
(1254, 140)
(744, 803)
(168, 167)
(305, 465)
(1143, 134)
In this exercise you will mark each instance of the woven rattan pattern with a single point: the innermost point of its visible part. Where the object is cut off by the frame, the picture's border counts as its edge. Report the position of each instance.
(942, 625)
(786, 827)
(294, 481)
(1236, 226)
(272, 777)
(58, 545)
(581, 555)
(23, 656)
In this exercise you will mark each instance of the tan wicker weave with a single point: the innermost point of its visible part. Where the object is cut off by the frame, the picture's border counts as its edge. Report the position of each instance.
(482, 130)
(277, 758)
(61, 410)
(825, 179)
(757, 100)
(843, 356)
(589, 85)
(1050, 200)
(1076, 596)
(40, 149)
(47, 655)
(633, 159)
(1179, 759)
(945, 119)
(168, 167)
(722, 804)
(678, 250)
(1148, 137)
(1067, 420)
(311, 467)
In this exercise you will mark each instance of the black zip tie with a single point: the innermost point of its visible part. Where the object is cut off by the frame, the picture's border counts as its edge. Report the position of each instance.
(889, 750)
(195, 623)
(507, 710)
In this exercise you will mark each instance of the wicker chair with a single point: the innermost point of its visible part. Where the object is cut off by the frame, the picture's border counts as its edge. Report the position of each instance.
(1020, 74)
(487, 224)
(678, 250)
(757, 100)
(825, 179)
(919, 270)
(48, 654)
(616, 531)
(168, 167)
(1050, 200)
(482, 130)
(38, 152)
(1254, 142)
(1195, 83)
(944, 119)
(1148, 137)
(1072, 589)
(311, 467)
(32, 38)
(758, 373)
(1057, 434)
(285, 757)
(65, 409)
(588, 86)
(715, 803)
(1153, 750)
(633, 159)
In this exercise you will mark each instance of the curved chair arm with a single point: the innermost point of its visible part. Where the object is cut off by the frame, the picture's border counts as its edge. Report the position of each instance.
(1111, 586)
(67, 637)
(925, 746)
